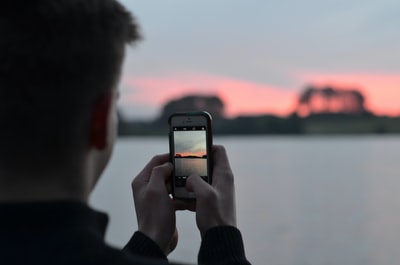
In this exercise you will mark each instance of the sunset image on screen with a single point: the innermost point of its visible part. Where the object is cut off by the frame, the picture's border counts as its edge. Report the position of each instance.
(190, 144)
(190, 153)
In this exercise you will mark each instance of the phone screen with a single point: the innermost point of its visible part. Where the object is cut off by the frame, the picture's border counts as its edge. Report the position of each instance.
(190, 153)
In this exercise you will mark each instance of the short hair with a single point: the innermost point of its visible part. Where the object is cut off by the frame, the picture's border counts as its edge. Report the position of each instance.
(56, 58)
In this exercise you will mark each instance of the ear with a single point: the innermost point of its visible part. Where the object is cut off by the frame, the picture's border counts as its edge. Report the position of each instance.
(99, 122)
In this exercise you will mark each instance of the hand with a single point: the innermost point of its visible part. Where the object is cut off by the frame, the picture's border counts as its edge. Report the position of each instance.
(215, 204)
(155, 210)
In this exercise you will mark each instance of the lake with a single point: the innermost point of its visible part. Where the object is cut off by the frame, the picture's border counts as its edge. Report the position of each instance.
(190, 166)
(300, 200)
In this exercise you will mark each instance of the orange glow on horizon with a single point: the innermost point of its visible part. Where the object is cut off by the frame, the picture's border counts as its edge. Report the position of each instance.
(240, 97)
(198, 154)
(382, 91)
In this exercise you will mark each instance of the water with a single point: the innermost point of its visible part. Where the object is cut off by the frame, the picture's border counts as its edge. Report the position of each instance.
(191, 166)
(300, 200)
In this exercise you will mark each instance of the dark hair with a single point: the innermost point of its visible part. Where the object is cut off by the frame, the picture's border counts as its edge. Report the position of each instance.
(56, 58)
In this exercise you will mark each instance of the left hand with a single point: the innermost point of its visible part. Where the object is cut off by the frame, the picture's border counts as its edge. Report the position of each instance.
(155, 210)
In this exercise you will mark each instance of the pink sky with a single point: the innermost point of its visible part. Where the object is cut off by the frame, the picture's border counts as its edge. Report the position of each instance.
(382, 91)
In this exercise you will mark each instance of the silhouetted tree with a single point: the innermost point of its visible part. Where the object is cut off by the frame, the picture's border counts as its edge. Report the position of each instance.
(350, 101)
(328, 94)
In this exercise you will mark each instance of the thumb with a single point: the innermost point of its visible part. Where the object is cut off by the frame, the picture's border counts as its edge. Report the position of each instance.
(197, 185)
(160, 174)
(207, 212)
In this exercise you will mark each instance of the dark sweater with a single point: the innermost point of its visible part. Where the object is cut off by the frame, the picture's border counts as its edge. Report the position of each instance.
(72, 233)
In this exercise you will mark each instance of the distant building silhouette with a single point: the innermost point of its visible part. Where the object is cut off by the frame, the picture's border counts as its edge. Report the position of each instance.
(212, 104)
(329, 100)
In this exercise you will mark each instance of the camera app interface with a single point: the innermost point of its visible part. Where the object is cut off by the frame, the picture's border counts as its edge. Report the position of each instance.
(190, 153)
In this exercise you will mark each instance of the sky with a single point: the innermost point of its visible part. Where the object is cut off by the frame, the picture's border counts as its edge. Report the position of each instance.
(190, 143)
(258, 55)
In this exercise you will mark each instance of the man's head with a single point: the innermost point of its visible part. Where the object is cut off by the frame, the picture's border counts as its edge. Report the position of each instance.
(59, 61)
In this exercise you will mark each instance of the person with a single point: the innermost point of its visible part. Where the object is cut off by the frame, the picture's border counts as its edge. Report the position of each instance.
(60, 64)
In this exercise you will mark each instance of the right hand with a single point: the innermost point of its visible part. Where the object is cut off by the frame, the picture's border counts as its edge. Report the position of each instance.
(215, 204)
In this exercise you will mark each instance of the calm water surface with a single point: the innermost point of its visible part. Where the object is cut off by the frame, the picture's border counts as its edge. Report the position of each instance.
(300, 200)
(191, 166)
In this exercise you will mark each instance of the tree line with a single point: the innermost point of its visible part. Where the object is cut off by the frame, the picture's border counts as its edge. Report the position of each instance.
(319, 110)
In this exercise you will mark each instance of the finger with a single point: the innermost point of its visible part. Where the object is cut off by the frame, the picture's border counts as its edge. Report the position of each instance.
(157, 160)
(222, 172)
(199, 187)
(159, 176)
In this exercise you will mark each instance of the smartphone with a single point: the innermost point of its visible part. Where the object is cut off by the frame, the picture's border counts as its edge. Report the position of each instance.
(190, 139)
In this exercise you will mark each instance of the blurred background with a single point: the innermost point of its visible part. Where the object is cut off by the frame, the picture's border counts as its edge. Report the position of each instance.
(305, 96)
